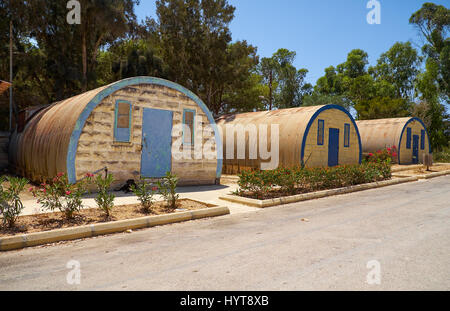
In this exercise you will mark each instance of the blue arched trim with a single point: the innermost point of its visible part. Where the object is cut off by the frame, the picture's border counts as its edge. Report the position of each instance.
(313, 118)
(403, 130)
(73, 144)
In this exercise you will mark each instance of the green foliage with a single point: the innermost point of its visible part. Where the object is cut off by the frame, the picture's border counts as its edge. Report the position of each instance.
(289, 181)
(383, 91)
(442, 156)
(167, 188)
(388, 155)
(196, 44)
(257, 182)
(10, 204)
(104, 199)
(286, 84)
(145, 191)
(399, 67)
(383, 107)
(136, 58)
(61, 195)
(190, 43)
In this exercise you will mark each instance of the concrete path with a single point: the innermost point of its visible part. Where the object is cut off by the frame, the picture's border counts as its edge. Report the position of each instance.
(207, 194)
(400, 234)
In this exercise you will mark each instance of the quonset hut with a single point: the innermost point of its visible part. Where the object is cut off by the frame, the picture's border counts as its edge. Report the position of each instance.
(126, 126)
(408, 135)
(316, 136)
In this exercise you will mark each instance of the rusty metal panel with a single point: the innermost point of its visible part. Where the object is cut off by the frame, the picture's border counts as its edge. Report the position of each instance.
(292, 126)
(40, 150)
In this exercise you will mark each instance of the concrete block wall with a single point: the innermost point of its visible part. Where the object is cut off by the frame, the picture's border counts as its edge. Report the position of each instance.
(318, 154)
(97, 148)
(406, 154)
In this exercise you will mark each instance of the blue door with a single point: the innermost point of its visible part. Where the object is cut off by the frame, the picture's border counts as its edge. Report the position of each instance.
(333, 147)
(415, 158)
(156, 155)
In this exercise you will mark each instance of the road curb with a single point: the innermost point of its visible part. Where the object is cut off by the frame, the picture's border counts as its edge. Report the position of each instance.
(432, 175)
(66, 234)
(314, 195)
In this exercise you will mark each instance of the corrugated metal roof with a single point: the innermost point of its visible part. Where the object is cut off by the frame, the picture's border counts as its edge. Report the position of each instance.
(41, 149)
(380, 133)
(292, 122)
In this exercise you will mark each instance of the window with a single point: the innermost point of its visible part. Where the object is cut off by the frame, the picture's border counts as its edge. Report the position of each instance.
(422, 139)
(122, 122)
(408, 138)
(346, 135)
(188, 126)
(320, 132)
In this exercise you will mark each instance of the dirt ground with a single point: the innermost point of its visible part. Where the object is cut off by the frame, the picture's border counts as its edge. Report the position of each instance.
(423, 170)
(56, 220)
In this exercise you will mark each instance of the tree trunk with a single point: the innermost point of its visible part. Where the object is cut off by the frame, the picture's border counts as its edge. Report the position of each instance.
(270, 90)
(84, 56)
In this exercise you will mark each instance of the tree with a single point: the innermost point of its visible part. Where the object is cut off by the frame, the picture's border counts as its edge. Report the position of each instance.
(285, 83)
(355, 65)
(133, 58)
(317, 99)
(399, 66)
(433, 23)
(102, 22)
(196, 46)
(268, 70)
(433, 85)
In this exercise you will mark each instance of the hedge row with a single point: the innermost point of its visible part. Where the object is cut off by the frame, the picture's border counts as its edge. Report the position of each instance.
(286, 181)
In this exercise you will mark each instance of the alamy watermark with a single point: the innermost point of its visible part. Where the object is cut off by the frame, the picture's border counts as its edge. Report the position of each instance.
(374, 15)
(74, 14)
(242, 141)
(374, 275)
(73, 277)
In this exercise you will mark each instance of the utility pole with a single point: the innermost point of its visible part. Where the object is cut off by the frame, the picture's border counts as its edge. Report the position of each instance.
(10, 73)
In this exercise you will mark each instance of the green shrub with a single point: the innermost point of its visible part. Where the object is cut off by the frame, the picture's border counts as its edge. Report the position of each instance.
(290, 181)
(104, 199)
(144, 191)
(383, 155)
(167, 188)
(10, 204)
(287, 179)
(442, 156)
(61, 195)
(257, 182)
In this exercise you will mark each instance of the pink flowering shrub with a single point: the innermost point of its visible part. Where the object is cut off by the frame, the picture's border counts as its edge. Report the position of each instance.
(60, 195)
(385, 155)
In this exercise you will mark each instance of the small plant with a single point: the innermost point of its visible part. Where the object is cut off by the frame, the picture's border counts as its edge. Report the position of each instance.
(104, 199)
(144, 191)
(287, 180)
(10, 204)
(61, 195)
(442, 155)
(257, 182)
(167, 188)
(388, 154)
(261, 184)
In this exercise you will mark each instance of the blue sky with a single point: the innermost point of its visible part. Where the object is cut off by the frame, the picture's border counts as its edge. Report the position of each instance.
(321, 32)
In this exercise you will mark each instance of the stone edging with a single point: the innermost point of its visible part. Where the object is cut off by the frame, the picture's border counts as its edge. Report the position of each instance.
(46, 237)
(314, 195)
(432, 175)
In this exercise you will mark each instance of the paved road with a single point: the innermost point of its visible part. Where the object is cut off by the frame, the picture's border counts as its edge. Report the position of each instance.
(406, 228)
